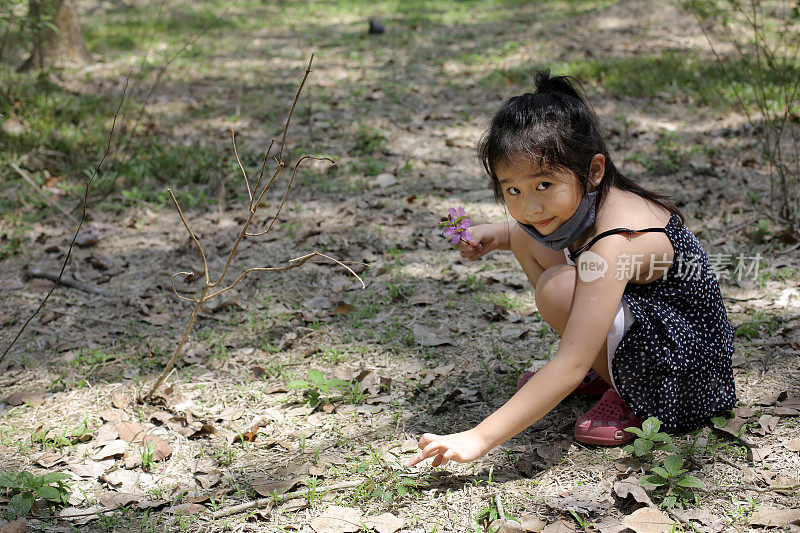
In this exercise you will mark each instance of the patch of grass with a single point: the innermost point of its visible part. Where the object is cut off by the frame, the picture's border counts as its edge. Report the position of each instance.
(761, 324)
(702, 81)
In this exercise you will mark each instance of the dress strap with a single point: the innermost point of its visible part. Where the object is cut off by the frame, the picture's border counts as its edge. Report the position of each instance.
(574, 255)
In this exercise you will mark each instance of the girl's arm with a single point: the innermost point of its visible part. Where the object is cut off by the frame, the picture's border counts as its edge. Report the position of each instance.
(595, 304)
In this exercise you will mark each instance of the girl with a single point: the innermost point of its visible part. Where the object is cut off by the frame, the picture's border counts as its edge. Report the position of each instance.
(641, 311)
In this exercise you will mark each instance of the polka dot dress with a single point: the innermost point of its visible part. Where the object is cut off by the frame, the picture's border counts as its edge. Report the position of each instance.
(675, 360)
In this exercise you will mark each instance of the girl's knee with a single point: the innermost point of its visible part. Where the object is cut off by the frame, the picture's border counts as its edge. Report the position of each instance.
(554, 292)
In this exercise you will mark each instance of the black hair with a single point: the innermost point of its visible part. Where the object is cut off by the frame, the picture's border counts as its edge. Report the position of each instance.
(555, 125)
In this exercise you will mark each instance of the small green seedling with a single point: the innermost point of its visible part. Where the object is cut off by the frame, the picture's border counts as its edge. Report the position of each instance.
(316, 389)
(649, 440)
(674, 478)
(147, 455)
(26, 488)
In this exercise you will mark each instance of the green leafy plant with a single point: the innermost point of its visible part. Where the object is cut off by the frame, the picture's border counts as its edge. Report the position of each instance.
(146, 454)
(649, 439)
(674, 478)
(26, 488)
(317, 387)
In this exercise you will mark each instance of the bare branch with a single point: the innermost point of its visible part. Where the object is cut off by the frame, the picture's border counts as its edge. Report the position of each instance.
(177, 351)
(191, 233)
(291, 111)
(300, 261)
(236, 152)
(261, 174)
(286, 193)
(174, 290)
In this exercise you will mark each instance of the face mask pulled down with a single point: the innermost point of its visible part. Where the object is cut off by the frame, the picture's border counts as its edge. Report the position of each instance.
(570, 230)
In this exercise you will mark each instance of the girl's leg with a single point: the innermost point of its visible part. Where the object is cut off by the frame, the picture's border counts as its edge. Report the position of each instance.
(533, 256)
(605, 423)
(555, 290)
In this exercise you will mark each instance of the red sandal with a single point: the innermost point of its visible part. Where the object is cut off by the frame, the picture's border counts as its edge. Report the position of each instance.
(593, 384)
(605, 423)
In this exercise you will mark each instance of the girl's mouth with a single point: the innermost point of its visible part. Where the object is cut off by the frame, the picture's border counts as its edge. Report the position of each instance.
(544, 222)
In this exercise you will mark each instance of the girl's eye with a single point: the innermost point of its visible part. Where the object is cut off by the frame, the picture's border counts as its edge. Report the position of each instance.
(544, 184)
(513, 191)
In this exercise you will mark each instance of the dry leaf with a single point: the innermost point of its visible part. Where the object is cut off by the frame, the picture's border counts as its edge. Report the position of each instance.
(630, 487)
(185, 509)
(768, 423)
(769, 516)
(757, 454)
(560, 527)
(206, 474)
(161, 449)
(343, 309)
(268, 488)
(336, 519)
(132, 459)
(49, 460)
(384, 523)
(91, 469)
(700, 515)
(648, 520)
(132, 432)
(120, 400)
(81, 516)
(105, 434)
(531, 522)
(34, 398)
(610, 524)
(113, 449)
(792, 445)
(430, 337)
(17, 526)
(125, 480)
(113, 415)
(733, 426)
(744, 412)
(584, 499)
(506, 526)
(112, 500)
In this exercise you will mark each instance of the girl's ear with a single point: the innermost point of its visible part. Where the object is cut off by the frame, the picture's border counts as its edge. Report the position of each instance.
(597, 169)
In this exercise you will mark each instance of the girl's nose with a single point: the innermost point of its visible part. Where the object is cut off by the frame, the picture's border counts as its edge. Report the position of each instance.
(533, 208)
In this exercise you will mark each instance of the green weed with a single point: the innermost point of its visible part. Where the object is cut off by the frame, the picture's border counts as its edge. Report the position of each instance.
(26, 488)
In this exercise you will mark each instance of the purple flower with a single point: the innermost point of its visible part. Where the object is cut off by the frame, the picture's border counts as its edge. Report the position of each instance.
(457, 225)
(455, 214)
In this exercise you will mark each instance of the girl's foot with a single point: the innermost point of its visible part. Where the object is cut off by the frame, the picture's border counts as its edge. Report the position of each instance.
(593, 384)
(605, 423)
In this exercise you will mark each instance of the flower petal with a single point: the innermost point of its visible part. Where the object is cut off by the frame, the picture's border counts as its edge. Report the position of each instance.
(450, 231)
(467, 236)
(461, 211)
(465, 223)
(456, 239)
(453, 212)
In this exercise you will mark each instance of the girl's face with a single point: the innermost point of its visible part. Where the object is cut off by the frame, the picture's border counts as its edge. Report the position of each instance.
(543, 199)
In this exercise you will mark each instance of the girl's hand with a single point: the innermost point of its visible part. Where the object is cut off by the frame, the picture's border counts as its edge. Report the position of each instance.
(460, 447)
(485, 238)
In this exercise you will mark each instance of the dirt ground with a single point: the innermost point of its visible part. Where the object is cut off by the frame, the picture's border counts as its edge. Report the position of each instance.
(434, 343)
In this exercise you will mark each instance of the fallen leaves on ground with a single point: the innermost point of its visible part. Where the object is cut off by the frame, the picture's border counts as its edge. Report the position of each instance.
(584, 498)
(649, 520)
(336, 519)
(772, 517)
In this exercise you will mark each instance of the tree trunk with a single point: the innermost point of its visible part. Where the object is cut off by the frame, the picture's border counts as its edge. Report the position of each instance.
(58, 47)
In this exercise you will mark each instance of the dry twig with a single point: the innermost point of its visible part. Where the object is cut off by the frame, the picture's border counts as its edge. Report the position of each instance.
(211, 288)
(264, 502)
(80, 224)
